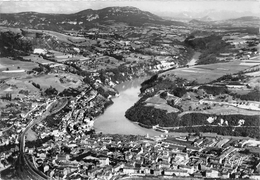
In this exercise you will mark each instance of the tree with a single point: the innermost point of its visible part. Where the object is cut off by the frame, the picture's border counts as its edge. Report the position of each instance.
(51, 91)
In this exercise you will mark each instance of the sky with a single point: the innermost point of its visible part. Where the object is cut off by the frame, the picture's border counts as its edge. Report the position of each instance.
(154, 6)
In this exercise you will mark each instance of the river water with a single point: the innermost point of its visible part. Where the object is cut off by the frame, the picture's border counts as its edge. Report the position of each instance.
(113, 121)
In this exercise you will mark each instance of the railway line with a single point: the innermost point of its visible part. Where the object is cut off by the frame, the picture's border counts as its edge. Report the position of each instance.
(23, 166)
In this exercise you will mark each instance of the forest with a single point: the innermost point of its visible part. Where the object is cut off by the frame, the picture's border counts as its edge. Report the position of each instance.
(13, 45)
(209, 46)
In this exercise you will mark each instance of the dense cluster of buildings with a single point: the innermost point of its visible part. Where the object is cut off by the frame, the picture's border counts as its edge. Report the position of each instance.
(106, 156)
(74, 150)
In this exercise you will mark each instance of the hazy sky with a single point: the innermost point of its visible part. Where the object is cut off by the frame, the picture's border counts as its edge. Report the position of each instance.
(154, 6)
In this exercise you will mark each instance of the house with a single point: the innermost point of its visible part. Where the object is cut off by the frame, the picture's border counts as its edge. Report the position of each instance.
(156, 172)
(258, 167)
(118, 167)
(212, 173)
(168, 172)
(198, 142)
(225, 175)
(221, 143)
(104, 161)
(189, 169)
(179, 172)
(198, 175)
(255, 177)
(108, 175)
(130, 170)
(226, 153)
(40, 51)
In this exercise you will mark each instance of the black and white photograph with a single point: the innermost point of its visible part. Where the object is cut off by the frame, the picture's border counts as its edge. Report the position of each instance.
(129, 89)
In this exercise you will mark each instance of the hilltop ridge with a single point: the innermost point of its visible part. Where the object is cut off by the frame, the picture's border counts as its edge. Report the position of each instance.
(82, 20)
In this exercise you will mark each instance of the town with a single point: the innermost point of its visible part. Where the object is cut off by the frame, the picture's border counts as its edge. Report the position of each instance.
(199, 100)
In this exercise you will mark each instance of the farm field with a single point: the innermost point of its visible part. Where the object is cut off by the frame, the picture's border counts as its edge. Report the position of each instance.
(16, 85)
(255, 74)
(208, 73)
(14, 68)
(37, 59)
(4, 76)
(70, 39)
(224, 110)
(59, 82)
(55, 81)
(14, 64)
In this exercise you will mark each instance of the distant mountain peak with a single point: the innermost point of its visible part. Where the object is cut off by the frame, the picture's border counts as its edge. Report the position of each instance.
(246, 18)
(206, 18)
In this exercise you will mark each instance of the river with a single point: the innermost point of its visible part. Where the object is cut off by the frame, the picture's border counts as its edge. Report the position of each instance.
(113, 121)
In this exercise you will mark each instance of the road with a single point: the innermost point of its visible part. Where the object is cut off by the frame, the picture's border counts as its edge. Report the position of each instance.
(24, 167)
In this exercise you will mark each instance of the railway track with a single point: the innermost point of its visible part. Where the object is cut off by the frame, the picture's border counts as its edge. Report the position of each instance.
(24, 167)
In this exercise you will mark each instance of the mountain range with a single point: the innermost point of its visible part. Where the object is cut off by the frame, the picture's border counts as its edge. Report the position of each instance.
(105, 17)
(83, 20)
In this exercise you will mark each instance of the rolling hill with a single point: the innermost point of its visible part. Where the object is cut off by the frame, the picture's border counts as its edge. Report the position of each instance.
(82, 20)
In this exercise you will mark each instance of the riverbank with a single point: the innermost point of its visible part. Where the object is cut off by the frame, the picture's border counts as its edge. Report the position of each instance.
(113, 120)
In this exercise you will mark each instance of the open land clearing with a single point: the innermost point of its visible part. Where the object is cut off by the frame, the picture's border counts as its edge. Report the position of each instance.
(160, 103)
